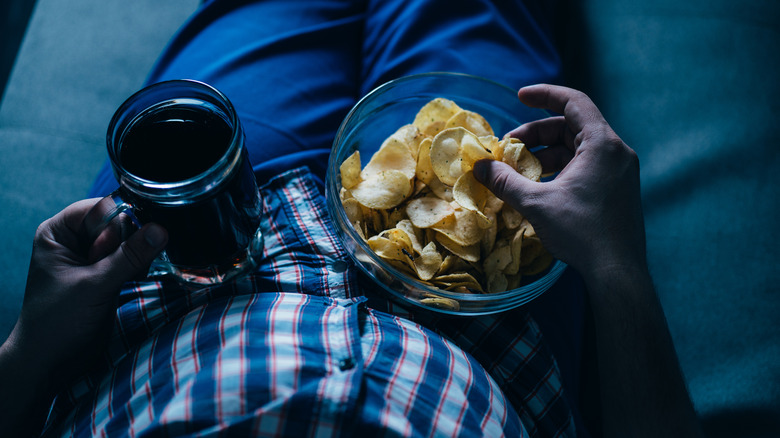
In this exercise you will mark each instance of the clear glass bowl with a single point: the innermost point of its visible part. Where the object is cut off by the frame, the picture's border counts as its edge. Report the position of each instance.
(377, 116)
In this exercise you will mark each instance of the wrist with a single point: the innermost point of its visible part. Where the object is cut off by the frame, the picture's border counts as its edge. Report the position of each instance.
(611, 259)
(623, 274)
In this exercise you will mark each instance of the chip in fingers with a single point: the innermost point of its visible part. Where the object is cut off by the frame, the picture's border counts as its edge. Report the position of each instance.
(522, 160)
(447, 153)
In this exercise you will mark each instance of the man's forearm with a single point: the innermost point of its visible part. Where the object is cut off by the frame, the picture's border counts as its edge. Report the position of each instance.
(643, 392)
(24, 392)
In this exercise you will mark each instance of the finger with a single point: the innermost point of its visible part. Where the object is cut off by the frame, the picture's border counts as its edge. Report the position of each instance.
(95, 220)
(73, 215)
(117, 230)
(64, 227)
(504, 181)
(554, 158)
(576, 106)
(134, 255)
(548, 132)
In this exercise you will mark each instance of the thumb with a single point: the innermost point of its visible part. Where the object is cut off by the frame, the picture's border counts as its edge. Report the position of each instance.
(506, 183)
(134, 255)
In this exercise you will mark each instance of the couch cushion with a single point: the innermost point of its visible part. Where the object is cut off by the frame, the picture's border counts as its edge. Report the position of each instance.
(692, 87)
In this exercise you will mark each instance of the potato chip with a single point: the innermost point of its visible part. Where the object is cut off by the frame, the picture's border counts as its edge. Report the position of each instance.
(522, 160)
(473, 151)
(471, 121)
(463, 227)
(489, 237)
(384, 190)
(466, 252)
(490, 143)
(395, 216)
(410, 136)
(428, 211)
(387, 249)
(345, 194)
(498, 149)
(441, 190)
(472, 195)
(539, 264)
(529, 229)
(493, 203)
(456, 280)
(448, 159)
(499, 259)
(424, 170)
(403, 266)
(451, 264)
(441, 303)
(433, 116)
(532, 248)
(350, 171)
(373, 220)
(392, 155)
(512, 218)
(428, 262)
(497, 282)
(353, 210)
(415, 236)
(400, 237)
(419, 188)
(394, 247)
(516, 246)
(360, 228)
(446, 155)
(454, 152)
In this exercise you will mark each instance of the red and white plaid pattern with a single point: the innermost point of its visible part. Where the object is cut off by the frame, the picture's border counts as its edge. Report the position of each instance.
(295, 349)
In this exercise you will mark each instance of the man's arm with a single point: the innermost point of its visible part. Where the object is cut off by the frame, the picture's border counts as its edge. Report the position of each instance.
(643, 392)
(68, 309)
(590, 217)
(24, 391)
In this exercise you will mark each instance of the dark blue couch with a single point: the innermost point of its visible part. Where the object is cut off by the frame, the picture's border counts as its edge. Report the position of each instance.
(692, 86)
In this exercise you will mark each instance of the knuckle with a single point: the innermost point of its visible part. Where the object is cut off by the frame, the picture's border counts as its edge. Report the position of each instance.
(613, 144)
(609, 141)
(43, 235)
(579, 96)
(41, 231)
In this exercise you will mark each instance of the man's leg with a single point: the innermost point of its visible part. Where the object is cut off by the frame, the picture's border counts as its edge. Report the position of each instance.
(291, 69)
(509, 42)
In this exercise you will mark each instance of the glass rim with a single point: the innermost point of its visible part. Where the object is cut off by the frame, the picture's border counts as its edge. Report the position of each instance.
(184, 191)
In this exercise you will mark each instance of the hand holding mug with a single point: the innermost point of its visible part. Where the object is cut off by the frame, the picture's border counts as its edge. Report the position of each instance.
(177, 150)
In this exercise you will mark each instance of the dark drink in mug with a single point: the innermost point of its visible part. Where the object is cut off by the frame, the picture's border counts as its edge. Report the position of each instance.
(177, 150)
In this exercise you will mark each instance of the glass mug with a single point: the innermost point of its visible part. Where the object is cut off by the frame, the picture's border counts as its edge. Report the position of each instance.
(177, 150)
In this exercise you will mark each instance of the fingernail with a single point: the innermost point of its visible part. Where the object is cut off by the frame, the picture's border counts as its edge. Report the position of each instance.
(481, 169)
(154, 235)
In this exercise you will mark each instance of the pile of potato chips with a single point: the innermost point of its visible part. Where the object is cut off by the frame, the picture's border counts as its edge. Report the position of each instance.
(421, 210)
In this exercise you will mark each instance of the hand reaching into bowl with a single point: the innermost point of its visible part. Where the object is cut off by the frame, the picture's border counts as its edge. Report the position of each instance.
(590, 217)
